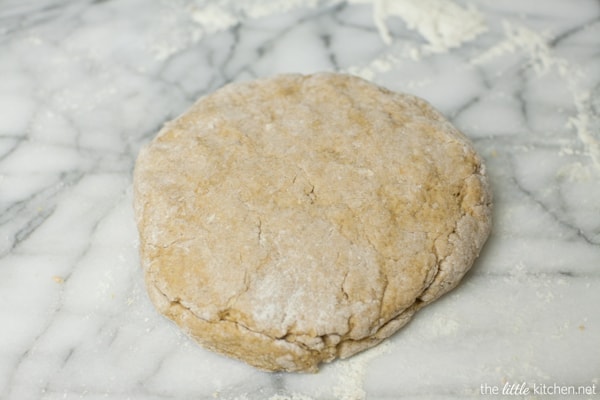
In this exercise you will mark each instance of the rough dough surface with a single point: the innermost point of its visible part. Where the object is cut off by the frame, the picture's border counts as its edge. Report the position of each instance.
(292, 220)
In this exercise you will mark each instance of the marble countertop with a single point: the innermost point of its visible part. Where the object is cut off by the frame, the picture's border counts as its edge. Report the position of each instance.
(84, 84)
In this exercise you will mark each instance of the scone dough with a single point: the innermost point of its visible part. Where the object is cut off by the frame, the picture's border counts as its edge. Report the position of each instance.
(292, 220)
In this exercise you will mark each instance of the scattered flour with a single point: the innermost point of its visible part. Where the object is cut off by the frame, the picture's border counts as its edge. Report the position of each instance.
(532, 43)
(587, 124)
(444, 24)
(378, 65)
(576, 172)
(541, 58)
(442, 325)
(187, 22)
(262, 8)
(351, 373)
(213, 18)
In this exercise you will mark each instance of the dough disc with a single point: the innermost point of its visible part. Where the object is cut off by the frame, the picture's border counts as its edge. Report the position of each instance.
(293, 220)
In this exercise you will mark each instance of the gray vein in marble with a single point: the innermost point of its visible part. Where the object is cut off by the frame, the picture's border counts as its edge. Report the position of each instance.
(576, 231)
(30, 213)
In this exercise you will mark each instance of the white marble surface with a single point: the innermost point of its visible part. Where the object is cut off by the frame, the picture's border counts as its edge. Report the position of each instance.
(83, 84)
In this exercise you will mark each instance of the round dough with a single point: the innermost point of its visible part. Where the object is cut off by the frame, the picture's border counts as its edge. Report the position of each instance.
(292, 220)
